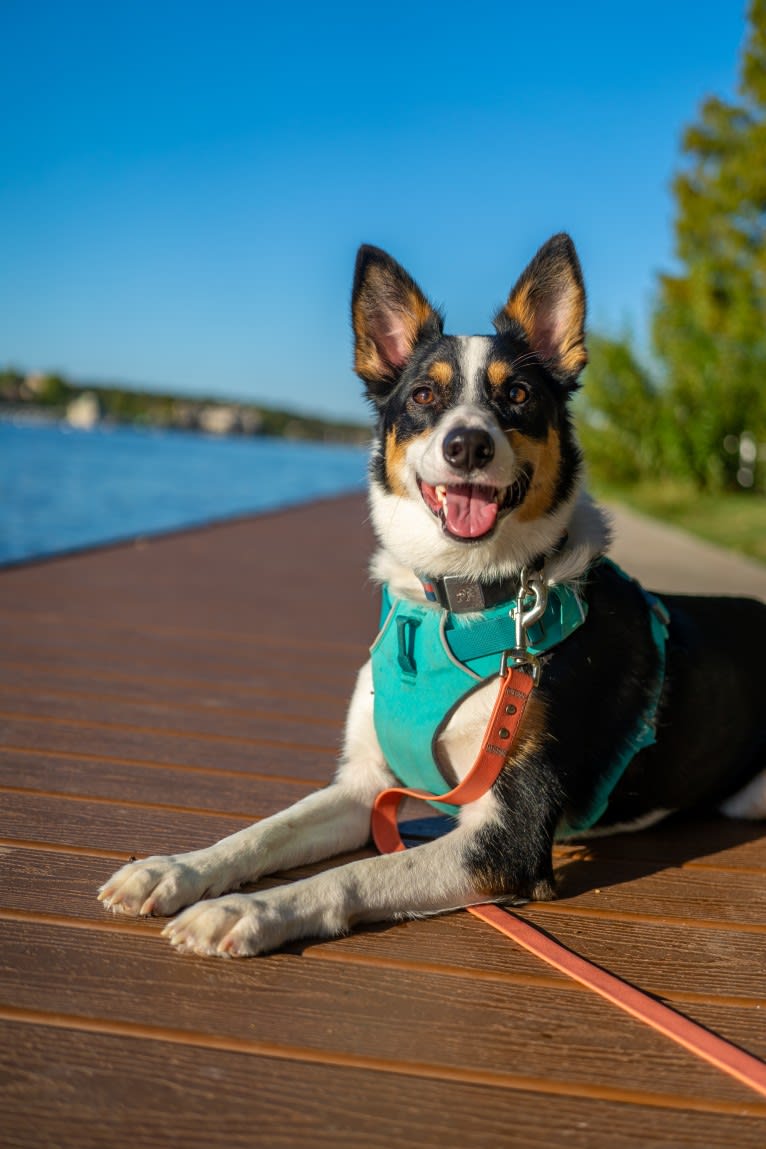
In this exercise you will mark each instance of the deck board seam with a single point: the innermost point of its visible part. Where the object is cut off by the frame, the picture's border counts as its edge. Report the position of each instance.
(236, 686)
(400, 1068)
(150, 929)
(86, 621)
(640, 918)
(161, 732)
(183, 707)
(186, 767)
(131, 804)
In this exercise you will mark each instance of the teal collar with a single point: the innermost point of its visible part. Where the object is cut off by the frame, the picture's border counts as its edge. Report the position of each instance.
(479, 640)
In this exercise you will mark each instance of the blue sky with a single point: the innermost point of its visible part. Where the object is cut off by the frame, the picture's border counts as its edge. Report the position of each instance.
(183, 186)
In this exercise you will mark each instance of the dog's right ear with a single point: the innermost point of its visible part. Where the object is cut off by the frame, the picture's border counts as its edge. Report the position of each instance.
(390, 314)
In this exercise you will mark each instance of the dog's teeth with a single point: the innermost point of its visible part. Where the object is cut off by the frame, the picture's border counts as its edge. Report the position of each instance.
(441, 494)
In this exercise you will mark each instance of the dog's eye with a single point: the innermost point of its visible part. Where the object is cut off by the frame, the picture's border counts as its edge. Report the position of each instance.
(517, 394)
(423, 396)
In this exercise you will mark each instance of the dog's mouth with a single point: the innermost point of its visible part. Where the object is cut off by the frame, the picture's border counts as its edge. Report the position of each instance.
(469, 511)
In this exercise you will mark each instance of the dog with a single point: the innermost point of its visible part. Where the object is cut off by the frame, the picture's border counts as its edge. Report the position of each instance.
(643, 706)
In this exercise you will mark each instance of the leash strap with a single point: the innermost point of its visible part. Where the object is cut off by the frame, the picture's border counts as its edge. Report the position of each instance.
(515, 689)
(510, 705)
(692, 1036)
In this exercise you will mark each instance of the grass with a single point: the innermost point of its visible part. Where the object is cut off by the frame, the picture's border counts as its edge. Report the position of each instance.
(736, 521)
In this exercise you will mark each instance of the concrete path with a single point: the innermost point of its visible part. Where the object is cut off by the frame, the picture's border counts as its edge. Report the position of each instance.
(666, 559)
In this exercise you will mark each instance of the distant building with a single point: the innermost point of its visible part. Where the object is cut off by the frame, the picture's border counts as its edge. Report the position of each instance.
(84, 411)
(219, 420)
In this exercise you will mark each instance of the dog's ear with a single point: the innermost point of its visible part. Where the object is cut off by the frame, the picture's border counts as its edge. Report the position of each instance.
(547, 309)
(389, 314)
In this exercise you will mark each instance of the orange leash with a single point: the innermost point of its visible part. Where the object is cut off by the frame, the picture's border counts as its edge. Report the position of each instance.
(692, 1036)
(512, 697)
(515, 689)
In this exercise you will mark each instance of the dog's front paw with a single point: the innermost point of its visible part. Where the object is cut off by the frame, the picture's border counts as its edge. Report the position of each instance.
(238, 925)
(154, 886)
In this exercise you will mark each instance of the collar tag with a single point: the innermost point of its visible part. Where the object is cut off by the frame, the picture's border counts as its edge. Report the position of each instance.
(463, 595)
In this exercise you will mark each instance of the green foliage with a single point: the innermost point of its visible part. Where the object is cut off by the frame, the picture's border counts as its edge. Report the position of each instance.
(710, 319)
(687, 421)
(618, 413)
(52, 391)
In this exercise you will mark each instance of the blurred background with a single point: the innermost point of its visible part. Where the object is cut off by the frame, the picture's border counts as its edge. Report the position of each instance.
(184, 186)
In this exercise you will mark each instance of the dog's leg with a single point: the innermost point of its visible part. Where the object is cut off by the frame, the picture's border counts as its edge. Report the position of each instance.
(321, 825)
(428, 879)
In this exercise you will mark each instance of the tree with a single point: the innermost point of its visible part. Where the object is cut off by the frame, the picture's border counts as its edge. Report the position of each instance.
(710, 320)
(619, 411)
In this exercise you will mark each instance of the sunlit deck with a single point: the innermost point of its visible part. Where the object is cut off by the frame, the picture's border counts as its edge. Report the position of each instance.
(148, 704)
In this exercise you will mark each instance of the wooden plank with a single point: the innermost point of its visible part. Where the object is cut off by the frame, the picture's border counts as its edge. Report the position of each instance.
(185, 693)
(251, 677)
(118, 831)
(295, 758)
(276, 647)
(506, 1033)
(68, 646)
(725, 960)
(211, 791)
(65, 1094)
(252, 725)
(678, 893)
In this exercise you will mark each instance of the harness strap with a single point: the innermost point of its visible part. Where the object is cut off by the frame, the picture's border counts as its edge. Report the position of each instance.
(510, 704)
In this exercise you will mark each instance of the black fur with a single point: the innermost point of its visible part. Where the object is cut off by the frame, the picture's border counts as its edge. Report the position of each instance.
(711, 734)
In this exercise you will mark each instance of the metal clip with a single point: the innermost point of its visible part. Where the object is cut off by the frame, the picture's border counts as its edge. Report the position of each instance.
(529, 583)
(521, 658)
(536, 584)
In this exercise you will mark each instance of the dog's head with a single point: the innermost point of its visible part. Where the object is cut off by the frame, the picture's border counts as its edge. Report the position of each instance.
(475, 467)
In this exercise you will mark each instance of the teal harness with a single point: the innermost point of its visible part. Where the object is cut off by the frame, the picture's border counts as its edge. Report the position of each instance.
(425, 662)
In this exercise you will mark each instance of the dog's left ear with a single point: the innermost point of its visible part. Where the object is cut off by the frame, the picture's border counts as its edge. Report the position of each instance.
(390, 314)
(547, 309)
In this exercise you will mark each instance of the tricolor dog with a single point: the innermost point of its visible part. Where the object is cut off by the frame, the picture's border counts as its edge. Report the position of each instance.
(486, 540)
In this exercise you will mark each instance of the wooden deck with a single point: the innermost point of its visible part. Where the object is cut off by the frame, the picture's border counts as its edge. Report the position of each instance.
(145, 706)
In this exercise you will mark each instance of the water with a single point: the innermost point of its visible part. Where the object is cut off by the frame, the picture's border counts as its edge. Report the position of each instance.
(62, 489)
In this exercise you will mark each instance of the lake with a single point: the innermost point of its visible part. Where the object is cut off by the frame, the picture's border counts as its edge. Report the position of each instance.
(62, 489)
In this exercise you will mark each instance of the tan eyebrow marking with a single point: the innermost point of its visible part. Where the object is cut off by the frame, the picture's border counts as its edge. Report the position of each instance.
(497, 372)
(440, 372)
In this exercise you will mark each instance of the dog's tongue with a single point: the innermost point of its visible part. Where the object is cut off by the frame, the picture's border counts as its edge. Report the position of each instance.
(471, 511)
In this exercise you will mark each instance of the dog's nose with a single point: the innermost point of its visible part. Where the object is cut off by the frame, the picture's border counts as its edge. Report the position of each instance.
(468, 448)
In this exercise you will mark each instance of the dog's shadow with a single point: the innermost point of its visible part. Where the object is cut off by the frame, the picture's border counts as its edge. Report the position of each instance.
(682, 842)
(588, 864)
